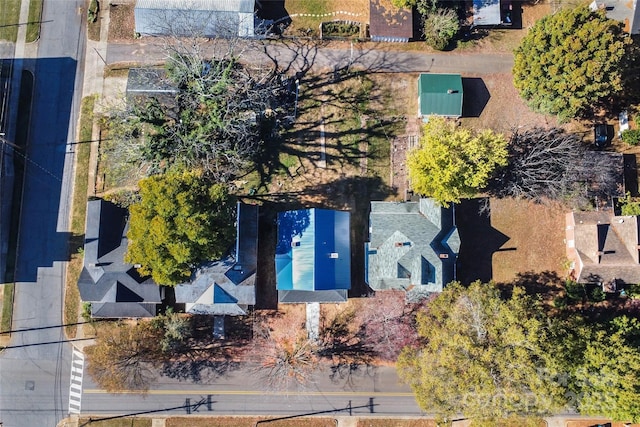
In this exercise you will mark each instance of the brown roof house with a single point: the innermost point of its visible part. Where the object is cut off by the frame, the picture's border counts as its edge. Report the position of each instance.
(388, 23)
(603, 248)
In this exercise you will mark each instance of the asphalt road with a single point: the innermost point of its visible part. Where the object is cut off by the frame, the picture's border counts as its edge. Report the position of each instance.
(34, 377)
(321, 58)
(240, 393)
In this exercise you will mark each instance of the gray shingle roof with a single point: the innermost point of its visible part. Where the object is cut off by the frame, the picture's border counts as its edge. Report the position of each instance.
(411, 244)
(227, 286)
(114, 287)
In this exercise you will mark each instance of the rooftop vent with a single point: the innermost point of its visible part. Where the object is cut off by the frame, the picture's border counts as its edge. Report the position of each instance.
(333, 255)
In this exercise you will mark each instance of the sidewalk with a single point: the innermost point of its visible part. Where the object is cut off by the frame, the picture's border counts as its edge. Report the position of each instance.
(93, 84)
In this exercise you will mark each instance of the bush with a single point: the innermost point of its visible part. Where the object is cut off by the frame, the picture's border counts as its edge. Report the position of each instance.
(440, 27)
(629, 205)
(92, 12)
(575, 290)
(560, 302)
(597, 294)
(340, 29)
(631, 136)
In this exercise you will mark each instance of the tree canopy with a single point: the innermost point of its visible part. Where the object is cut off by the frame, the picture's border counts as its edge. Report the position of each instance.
(452, 163)
(608, 377)
(485, 357)
(570, 62)
(181, 220)
(219, 119)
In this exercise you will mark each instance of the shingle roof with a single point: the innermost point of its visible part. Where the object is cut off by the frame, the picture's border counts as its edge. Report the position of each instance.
(227, 286)
(606, 245)
(313, 254)
(411, 244)
(388, 23)
(114, 287)
(440, 94)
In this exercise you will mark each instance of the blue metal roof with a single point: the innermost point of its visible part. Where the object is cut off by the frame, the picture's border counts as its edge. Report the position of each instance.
(313, 251)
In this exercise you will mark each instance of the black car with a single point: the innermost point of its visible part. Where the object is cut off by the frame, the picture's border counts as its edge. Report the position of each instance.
(601, 136)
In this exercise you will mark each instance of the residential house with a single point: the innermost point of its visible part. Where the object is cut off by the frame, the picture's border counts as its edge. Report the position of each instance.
(413, 246)
(227, 286)
(313, 256)
(440, 95)
(603, 248)
(625, 11)
(203, 18)
(388, 23)
(114, 288)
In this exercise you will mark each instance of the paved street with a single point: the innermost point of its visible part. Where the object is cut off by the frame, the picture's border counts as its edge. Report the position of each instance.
(239, 392)
(35, 368)
(328, 58)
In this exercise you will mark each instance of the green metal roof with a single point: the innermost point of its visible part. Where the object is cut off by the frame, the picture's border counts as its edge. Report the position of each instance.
(440, 94)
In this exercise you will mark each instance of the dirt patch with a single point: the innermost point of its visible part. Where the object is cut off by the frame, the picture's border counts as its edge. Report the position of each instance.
(516, 236)
(122, 21)
(491, 101)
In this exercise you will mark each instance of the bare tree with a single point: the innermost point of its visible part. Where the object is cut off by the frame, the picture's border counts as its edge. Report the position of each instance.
(223, 112)
(553, 164)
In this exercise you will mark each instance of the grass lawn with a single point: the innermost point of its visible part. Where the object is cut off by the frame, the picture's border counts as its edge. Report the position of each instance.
(518, 236)
(93, 26)
(83, 150)
(310, 25)
(35, 16)
(121, 21)
(7, 306)
(383, 422)
(9, 17)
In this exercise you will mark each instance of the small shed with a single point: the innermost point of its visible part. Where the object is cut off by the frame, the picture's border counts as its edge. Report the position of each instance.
(486, 12)
(440, 95)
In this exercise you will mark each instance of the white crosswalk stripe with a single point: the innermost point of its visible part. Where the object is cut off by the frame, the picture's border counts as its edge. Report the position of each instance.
(75, 386)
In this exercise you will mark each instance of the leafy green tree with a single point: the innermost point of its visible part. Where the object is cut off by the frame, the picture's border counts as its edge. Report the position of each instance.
(440, 27)
(571, 62)
(609, 378)
(484, 357)
(181, 220)
(451, 163)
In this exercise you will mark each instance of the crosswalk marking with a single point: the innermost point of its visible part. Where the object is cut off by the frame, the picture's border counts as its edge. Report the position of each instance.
(75, 383)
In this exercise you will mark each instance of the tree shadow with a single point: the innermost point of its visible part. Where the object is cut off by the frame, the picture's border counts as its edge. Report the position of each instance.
(476, 96)
(479, 241)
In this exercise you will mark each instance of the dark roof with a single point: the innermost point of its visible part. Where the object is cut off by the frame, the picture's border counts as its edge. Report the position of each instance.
(411, 244)
(146, 81)
(114, 288)
(227, 286)
(389, 23)
(440, 94)
(313, 254)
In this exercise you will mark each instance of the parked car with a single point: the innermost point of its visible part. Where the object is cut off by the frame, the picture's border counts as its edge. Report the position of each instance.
(601, 136)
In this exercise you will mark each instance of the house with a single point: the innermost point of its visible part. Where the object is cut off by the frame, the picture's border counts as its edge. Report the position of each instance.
(313, 256)
(150, 82)
(440, 95)
(625, 11)
(603, 247)
(227, 286)
(413, 246)
(114, 288)
(388, 23)
(204, 18)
